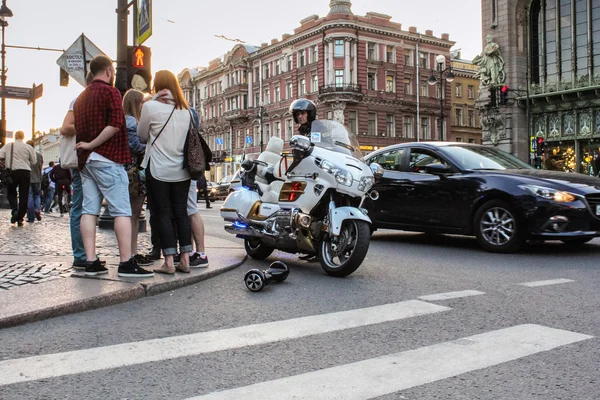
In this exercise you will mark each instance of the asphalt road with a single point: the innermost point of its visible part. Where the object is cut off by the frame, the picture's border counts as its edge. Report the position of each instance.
(499, 340)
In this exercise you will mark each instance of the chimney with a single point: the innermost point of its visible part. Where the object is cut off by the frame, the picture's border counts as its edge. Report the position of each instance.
(285, 36)
(273, 41)
(263, 45)
(412, 29)
(445, 36)
(429, 32)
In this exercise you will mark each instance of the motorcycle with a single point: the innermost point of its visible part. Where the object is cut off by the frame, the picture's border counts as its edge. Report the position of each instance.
(308, 202)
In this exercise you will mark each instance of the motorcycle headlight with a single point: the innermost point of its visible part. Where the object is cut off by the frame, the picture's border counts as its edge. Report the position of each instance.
(342, 176)
(549, 193)
(366, 182)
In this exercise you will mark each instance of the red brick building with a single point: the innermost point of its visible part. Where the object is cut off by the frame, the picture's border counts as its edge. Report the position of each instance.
(366, 72)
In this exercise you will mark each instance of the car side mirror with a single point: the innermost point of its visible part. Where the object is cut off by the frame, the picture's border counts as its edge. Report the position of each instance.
(436, 169)
(299, 142)
(377, 171)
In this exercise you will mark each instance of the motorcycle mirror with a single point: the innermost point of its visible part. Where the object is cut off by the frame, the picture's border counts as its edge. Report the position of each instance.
(247, 165)
(299, 142)
(377, 171)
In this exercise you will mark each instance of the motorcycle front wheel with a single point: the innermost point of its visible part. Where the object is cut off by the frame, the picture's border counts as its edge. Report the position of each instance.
(342, 255)
(256, 249)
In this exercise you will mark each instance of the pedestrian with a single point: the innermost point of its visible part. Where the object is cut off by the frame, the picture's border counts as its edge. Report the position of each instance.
(48, 187)
(62, 179)
(198, 258)
(132, 108)
(203, 184)
(164, 127)
(102, 151)
(19, 157)
(34, 202)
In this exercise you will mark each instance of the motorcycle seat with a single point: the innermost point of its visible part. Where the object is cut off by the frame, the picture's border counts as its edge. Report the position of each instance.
(264, 176)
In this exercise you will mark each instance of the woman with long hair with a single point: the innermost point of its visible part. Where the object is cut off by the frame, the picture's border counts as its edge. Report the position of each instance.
(132, 108)
(163, 127)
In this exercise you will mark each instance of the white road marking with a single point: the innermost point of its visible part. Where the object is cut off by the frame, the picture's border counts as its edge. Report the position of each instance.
(451, 295)
(546, 283)
(395, 372)
(121, 355)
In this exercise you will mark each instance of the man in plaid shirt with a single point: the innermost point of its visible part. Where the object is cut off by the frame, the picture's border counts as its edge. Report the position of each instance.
(102, 150)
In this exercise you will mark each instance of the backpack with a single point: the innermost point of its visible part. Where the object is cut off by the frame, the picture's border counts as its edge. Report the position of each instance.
(46, 180)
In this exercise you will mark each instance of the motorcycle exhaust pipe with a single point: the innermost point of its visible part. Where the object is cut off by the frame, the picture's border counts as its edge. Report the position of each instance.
(374, 195)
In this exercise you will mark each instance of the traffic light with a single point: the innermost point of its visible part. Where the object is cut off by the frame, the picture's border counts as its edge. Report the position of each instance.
(139, 71)
(504, 95)
(540, 146)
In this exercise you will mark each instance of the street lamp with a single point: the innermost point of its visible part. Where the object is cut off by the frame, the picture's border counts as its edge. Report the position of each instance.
(261, 114)
(5, 12)
(440, 59)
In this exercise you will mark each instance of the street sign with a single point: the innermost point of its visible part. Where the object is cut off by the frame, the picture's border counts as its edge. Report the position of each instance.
(14, 92)
(143, 25)
(248, 139)
(219, 140)
(37, 92)
(75, 60)
(532, 144)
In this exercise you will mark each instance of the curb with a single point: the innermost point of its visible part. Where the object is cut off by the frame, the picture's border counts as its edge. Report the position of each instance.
(132, 291)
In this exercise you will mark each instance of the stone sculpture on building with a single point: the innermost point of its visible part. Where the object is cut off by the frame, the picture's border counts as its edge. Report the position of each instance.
(491, 65)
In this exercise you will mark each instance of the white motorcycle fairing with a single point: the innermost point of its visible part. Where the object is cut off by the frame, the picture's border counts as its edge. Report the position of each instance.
(340, 214)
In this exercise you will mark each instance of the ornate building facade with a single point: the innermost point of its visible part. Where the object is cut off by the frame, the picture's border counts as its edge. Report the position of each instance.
(363, 71)
(465, 119)
(552, 54)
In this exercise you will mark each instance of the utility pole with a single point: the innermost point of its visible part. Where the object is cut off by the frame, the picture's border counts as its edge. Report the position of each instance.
(122, 15)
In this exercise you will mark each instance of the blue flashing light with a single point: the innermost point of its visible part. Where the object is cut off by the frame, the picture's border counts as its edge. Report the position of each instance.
(240, 225)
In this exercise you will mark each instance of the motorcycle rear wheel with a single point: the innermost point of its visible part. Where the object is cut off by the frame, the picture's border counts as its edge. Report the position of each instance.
(256, 249)
(342, 256)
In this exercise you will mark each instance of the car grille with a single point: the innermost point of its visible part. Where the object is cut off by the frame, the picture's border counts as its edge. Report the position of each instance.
(594, 201)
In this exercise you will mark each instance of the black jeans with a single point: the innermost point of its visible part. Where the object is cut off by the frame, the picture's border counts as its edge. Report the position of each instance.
(20, 178)
(168, 203)
(61, 188)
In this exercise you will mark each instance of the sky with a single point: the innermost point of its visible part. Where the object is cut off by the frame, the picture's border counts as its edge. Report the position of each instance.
(184, 36)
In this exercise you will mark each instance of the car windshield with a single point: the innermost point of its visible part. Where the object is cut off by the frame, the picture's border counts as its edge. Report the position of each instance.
(480, 158)
(333, 136)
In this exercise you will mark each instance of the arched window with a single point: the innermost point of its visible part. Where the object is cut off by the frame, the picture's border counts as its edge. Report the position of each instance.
(559, 35)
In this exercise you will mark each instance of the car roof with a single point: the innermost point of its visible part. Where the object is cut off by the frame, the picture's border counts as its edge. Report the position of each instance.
(426, 144)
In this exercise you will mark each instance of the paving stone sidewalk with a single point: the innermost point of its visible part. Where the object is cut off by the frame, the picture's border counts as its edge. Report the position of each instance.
(49, 238)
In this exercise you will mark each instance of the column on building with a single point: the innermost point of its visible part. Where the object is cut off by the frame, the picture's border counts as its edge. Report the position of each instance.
(355, 69)
(347, 42)
(250, 91)
(331, 77)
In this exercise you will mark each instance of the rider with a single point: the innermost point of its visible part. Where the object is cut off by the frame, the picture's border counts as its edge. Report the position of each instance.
(304, 112)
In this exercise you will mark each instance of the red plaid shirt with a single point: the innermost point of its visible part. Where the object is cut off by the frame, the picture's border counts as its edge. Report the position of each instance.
(96, 108)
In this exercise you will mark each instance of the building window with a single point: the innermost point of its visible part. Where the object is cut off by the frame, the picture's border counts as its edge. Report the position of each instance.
(289, 90)
(338, 48)
(389, 54)
(289, 62)
(256, 99)
(352, 122)
(266, 71)
(390, 83)
(267, 128)
(471, 140)
(371, 81)
(424, 89)
(372, 126)
(459, 139)
(301, 61)
(471, 91)
(438, 91)
(256, 75)
(391, 125)
(277, 94)
(329, 115)
(302, 88)
(408, 58)
(408, 86)
(423, 60)
(471, 118)
(315, 53)
(315, 83)
(425, 131)
(458, 117)
(371, 51)
(289, 129)
(220, 109)
(277, 70)
(408, 127)
(277, 129)
(267, 98)
(339, 77)
(458, 90)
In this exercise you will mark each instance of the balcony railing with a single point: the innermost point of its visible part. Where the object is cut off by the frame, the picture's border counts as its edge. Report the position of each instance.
(347, 88)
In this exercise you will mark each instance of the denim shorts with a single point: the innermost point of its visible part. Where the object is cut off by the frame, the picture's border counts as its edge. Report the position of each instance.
(192, 203)
(109, 181)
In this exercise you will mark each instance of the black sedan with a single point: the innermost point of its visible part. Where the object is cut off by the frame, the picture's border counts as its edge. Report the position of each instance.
(468, 189)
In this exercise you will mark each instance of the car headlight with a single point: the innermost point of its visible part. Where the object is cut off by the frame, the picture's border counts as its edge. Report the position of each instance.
(213, 190)
(366, 182)
(549, 193)
(342, 176)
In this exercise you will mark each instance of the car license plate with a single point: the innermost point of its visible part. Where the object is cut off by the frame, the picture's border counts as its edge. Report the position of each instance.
(597, 209)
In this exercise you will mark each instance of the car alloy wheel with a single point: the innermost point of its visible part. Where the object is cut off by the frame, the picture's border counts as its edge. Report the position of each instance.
(498, 226)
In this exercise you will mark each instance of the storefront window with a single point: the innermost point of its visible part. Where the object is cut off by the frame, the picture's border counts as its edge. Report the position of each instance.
(560, 157)
(590, 160)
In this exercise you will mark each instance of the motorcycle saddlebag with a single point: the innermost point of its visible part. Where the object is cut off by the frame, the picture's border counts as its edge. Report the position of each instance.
(240, 201)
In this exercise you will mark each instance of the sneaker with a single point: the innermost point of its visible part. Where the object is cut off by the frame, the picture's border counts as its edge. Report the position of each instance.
(38, 216)
(142, 260)
(95, 268)
(153, 256)
(81, 264)
(130, 269)
(31, 221)
(197, 261)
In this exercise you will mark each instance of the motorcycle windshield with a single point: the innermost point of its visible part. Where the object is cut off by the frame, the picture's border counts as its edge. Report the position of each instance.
(333, 136)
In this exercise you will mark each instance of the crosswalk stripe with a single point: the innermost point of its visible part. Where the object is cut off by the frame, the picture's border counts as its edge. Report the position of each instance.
(121, 355)
(451, 295)
(389, 374)
(547, 283)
